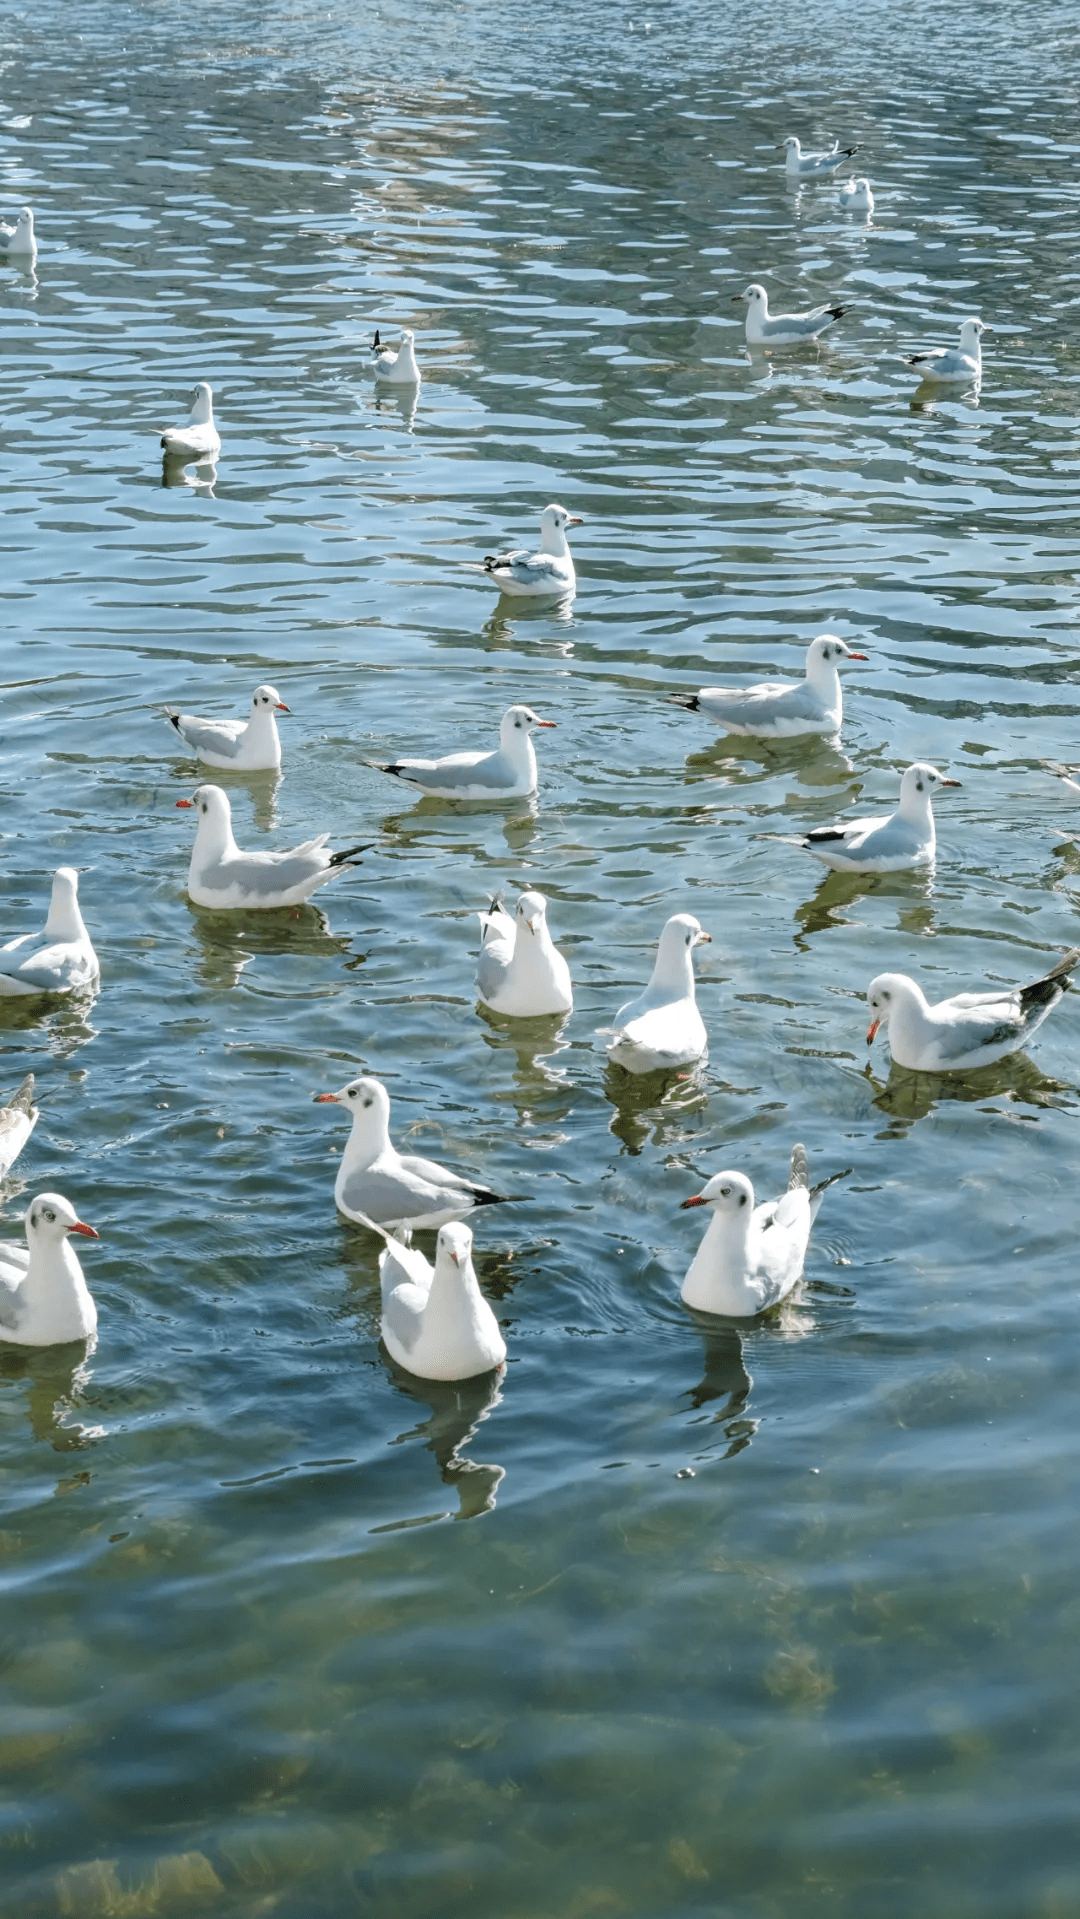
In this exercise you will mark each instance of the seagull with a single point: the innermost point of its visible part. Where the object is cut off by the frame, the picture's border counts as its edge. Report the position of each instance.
(245, 746)
(662, 1028)
(812, 166)
(782, 329)
(399, 367)
(435, 1320)
(19, 241)
(953, 363)
(855, 196)
(198, 439)
(521, 970)
(507, 774)
(376, 1183)
(752, 1256)
(886, 845)
(44, 1299)
(548, 574)
(778, 709)
(972, 1029)
(59, 960)
(17, 1122)
(221, 875)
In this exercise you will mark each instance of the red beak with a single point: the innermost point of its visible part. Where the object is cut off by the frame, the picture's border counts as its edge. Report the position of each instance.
(86, 1231)
(323, 1099)
(282, 708)
(857, 656)
(950, 782)
(575, 520)
(547, 722)
(185, 803)
(872, 1032)
(698, 1200)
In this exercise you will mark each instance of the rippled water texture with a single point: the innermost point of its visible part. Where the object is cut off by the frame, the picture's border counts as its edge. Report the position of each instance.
(754, 1622)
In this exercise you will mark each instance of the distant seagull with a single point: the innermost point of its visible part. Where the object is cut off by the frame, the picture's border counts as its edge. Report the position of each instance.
(19, 242)
(812, 166)
(855, 196)
(198, 439)
(953, 363)
(377, 1183)
(436, 1322)
(245, 746)
(59, 960)
(220, 875)
(752, 1256)
(17, 1121)
(779, 709)
(782, 329)
(399, 368)
(507, 774)
(44, 1299)
(548, 574)
(972, 1029)
(521, 971)
(888, 844)
(662, 1028)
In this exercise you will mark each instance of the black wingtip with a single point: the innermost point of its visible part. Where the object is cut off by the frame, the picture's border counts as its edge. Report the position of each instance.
(845, 1173)
(350, 853)
(483, 1197)
(838, 312)
(688, 700)
(174, 720)
(376, 342)
(491, 561)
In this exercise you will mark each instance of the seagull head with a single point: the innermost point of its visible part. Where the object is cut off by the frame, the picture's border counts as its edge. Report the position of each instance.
(827, 651)
(367, 1100)
(677, 942)
(790, 146)
(454, 1245)
(407, 336)
(517, 723)
(754, 295)
(971, 333)
(729, 1193)
(532, 911)
(211, 804)
(917, 786)
(267, 699)
(883, 996)
(202, 403)
(51, 1217)
(556, 519)
(65, 921)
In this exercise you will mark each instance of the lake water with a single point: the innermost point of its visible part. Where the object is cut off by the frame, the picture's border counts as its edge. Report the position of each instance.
(683, 1617)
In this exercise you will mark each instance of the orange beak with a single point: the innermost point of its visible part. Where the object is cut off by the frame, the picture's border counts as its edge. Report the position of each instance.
(857, 656)
(950, 782)
(575, 520)
(698, 1200)
(81, 1227)
(325, 1099)
(282, 708)
(185, 803)
(547, 722)
(872, 1030)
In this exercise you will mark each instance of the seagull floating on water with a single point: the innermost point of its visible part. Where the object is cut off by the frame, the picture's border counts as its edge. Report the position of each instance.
(812, 166)
(59, 960)
(778, 709)
(662, 1028)
(507, 774)
(521, 971)
(855, 196)
(435, 1320)
(198, 438)
(220, 875)
(399, 368)
(953, 363)
(752, 1256)
(548, 574)
(376, 1183)
(245, 746)
(889, 844)
(782, 329)
(44, 1299)
(19, 242)
(17, 1121)
(971, 1029)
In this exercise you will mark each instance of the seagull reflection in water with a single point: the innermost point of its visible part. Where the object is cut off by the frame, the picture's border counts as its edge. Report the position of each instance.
(57, 1378)
(457, 1409)
(542, 1095)
(809, 758)
(200, 477)
(907, 1096)
(840, 890)
(653, 1105)
(417, 827)
(229, 941)
(500, 629)
(725, 1387)
(400, 400)
(65, 1019)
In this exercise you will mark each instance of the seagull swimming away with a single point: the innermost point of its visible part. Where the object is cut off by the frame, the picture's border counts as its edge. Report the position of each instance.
(376, 1183)
(971, 1029)
(521, 971)
(220, 875)
(198, 438)
(59, 960)
(662, 1028)
(779, 709)
(889, 844)
(436, 1322)
(752, 1256)
(855, 196)
(548, 574)
(953, 363)
(400, 368)
(17, 1121)
(507, 774)
(812, 166)
(245, 746)
(19, 242)
(44, 1299)
(783, 329)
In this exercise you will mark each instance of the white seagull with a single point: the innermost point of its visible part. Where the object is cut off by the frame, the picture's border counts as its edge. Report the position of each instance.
(59, 960)
(812, 166)
(662, 1028)
(507, 774)
(971, 1029)
(548, 574)
(198, 438)
(782, 329)
(19, 242)
(953, 363)
(521, 971)
(399, 368)
(435, 1320)
(752, 1256)
(779, 709)
(17, 1121)
(245, 746)
(44, 1299)
(376, 1183)
(855, 196)
(888, 844)
(220, 875)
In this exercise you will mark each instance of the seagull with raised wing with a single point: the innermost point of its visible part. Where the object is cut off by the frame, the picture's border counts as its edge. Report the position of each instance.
(767, 329)
(44, 1299)
(436, 1322)
(888, 844)
(548, 574)
(240, 746)
(198, 437)
(779, 709)
(58, 960)
(969, 1030)
(521, 971)
(752, 1256)
(17, 1121)
(222, 876)
(376, 1183)
(812, 166)
(398, 369)
(509, 773)
(953, 363)
(663, 1028)
(20, 241)
(855, 196)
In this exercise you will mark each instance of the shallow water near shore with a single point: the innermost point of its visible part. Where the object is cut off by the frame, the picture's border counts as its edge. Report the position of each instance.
(677, 1616)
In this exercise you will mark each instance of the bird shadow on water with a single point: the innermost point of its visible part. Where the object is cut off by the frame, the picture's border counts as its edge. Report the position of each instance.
(839, 891)
(653, 1105)
(65, 1018)
(457, 1408)
(907, 1096)
(228, 942)
(420, 826)
(813, 762)
(56, 1378)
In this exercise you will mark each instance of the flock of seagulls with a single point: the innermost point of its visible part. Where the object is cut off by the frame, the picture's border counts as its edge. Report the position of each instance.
(436, 1322)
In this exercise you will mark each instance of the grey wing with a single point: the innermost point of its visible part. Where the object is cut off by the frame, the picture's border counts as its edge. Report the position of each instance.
(223, 738)
(464, 769)
(493, 965)
(403, 1313)
(997, 1026)
(266, 873)
(537, 566)
(492, 560)
(45, 971)
(11, 1306)
(385, 1194)
(22, 1100)
(439, 1180)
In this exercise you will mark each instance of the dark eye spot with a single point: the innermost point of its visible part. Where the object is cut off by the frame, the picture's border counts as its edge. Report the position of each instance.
(742, 1199)
(352, 1092)
(33, 1219)
(725, 1192)
(49, 1214)
(367, 1102)
(918, 786)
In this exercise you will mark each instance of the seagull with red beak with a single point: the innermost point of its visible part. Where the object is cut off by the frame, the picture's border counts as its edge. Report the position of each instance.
(752, 1256)
(507, 774)
(781, 709)
(547, 575)
(890, 844)
(220, 875)
(521, 971)
(44, 1299)
(967, 1031)
(237, 746)
(377, 1185)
